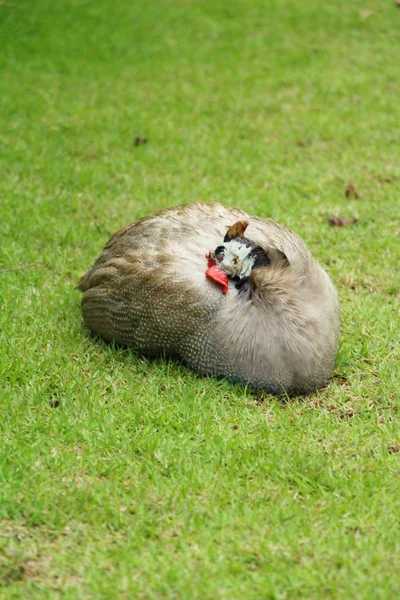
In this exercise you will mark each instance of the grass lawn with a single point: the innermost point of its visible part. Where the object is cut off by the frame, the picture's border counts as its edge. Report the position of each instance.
(125, 478)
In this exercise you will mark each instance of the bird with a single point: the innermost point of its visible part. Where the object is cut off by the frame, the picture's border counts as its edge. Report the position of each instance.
(230, 295)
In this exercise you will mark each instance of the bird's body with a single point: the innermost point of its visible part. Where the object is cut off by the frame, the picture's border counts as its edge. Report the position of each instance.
(277, 329)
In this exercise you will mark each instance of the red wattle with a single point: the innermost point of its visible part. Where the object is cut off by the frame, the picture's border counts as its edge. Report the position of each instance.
(217, 275)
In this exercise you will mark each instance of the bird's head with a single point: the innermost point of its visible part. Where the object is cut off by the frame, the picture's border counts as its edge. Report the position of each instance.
(237, 255)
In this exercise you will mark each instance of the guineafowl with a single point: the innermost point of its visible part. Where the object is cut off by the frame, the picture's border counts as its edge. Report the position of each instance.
(229, 294)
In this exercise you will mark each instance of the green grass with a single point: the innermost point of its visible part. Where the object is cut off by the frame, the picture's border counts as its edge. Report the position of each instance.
(124, 478)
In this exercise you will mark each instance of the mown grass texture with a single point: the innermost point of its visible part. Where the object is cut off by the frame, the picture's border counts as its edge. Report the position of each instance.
(124, 478)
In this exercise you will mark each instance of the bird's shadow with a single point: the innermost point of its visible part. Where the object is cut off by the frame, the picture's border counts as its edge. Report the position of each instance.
(149, 360)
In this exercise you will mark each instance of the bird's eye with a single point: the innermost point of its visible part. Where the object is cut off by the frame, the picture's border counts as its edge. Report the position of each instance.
(219, 253)
(235, 260)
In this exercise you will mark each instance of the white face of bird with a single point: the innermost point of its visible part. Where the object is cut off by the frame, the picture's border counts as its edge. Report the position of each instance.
(235, 259)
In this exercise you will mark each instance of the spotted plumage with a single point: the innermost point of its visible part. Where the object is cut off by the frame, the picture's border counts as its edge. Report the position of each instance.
(276, 328)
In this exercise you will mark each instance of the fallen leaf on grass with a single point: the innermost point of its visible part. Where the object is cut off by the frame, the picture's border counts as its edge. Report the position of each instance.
(341, 221)
(351, 191)
(139, 140)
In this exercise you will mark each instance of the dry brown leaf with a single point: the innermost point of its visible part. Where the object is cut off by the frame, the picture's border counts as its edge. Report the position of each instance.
(351, 191)
(139, 140)
(341, 221)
